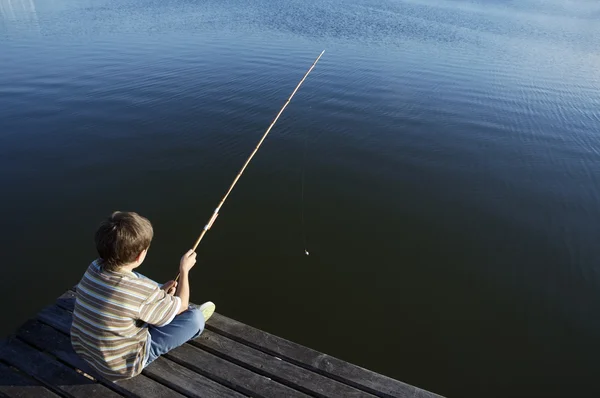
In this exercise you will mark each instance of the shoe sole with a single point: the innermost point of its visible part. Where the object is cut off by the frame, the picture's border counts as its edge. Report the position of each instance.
(207, 309)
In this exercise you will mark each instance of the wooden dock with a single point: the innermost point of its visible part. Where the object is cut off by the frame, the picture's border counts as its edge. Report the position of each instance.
(229, 359)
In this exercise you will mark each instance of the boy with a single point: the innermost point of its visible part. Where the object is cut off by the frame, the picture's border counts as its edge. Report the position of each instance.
(122, 320)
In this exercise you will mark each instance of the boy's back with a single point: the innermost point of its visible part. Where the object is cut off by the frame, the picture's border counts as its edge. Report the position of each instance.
(111, 310)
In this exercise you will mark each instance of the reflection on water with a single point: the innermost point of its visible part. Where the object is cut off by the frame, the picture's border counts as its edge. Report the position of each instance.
(17, 16)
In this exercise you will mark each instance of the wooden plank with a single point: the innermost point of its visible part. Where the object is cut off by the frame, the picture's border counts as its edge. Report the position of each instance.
(67, 300)
(273, 367)
(58, 344)
(60, 319)
(53, 374)
(324, 364)
(230, 374)
(183, 380)
(187, 381)
(14, 384)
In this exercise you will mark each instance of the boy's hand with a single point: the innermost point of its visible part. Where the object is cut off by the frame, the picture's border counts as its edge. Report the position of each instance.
(187, 261)
(170, 287)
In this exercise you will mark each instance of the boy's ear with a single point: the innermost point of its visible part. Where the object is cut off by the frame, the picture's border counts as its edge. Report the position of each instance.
(140, 257)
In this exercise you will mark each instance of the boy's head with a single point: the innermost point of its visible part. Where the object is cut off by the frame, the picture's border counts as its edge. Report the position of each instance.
(123, 239)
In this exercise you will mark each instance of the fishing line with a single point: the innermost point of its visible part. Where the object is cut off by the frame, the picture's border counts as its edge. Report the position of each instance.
(302, 195)
(216, 212)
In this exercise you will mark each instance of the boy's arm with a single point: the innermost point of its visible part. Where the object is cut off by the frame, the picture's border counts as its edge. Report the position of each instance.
(183, 287)
(183, 291)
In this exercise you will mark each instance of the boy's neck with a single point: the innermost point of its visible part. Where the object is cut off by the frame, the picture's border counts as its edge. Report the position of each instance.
(134, 264)
(129, 267)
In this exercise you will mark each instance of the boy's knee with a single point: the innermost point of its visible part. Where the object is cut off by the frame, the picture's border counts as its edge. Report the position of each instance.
(196, 318)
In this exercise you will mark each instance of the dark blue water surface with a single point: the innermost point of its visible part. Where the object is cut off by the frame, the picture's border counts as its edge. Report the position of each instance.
(452, 197)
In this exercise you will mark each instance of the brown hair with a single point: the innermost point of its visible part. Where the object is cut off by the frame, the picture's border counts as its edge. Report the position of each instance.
(121, 238)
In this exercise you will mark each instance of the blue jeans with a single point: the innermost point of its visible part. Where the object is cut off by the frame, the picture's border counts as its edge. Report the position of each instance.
(184, 327)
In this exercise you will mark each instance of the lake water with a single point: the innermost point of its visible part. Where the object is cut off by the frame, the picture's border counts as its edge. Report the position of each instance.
(452, 192)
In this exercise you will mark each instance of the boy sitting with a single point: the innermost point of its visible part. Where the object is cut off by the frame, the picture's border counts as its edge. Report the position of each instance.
(122, 320)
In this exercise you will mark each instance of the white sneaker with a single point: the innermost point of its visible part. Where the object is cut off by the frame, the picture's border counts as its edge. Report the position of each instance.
(207, 309)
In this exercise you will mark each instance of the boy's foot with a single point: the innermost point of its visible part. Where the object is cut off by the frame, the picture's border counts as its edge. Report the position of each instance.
(207, 309)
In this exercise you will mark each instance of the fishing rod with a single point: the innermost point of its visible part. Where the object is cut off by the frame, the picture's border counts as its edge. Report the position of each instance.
(216, 212)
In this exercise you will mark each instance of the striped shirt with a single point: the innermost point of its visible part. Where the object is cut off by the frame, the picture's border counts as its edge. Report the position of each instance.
(111, 317)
